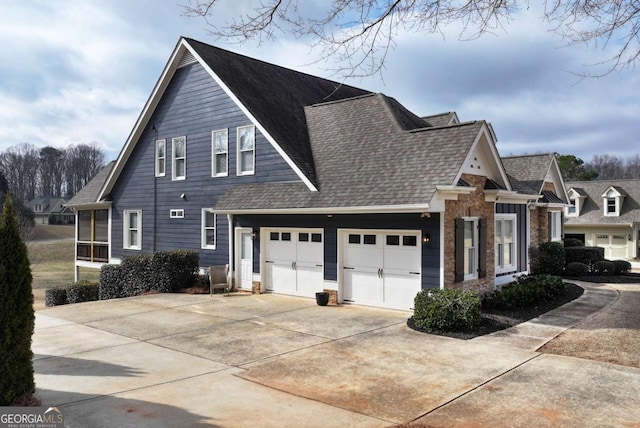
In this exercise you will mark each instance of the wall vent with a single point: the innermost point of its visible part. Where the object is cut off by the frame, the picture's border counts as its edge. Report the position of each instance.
(187, 58)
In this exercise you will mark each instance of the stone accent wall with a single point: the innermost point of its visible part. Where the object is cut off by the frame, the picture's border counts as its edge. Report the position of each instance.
(542, 231)
(549, 187)
(333, 296)
(255, 287)
(472, 205)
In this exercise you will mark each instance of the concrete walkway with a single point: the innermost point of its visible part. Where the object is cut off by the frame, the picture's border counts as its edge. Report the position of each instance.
(185, 360)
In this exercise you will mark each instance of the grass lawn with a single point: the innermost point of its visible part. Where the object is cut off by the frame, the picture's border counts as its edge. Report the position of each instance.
(52, 266)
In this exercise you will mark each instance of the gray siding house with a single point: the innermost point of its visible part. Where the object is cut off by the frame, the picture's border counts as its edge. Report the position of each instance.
(301, 184)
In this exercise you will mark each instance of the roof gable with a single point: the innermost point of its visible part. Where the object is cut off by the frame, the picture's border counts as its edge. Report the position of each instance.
(272, 97)
(531, 172)
(592, 193)
(483, 159)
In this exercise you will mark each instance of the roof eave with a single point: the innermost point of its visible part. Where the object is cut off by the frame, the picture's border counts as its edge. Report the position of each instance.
(408, 208)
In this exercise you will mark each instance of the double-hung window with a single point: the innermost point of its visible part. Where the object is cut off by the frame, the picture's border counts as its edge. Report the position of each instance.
(470, 248)
(246, 142)
(208, 228)
(219, 153)
(132, 239)
(179, 158)
(161, 157)
(555, 226)
(505, 243)
(611, 206)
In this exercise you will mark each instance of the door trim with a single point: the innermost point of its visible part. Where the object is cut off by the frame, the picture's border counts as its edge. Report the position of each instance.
(238, 253)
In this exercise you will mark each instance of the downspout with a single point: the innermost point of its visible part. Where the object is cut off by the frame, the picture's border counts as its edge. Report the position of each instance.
(231, 246)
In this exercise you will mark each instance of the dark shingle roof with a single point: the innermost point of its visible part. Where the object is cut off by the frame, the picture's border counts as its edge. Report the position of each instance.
(364, 159)
(89, 193)
(404, 117)
(276, 97)
(592, 212)
(48, 204)
(528, 170)
(549, 197)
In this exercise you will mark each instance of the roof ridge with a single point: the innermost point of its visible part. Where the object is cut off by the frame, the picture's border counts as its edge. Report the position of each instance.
(324, 103)
(527, 155)
(453, 125)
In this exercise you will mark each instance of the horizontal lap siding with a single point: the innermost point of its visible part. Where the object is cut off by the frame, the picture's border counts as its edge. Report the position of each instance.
(330, 226)
(193, 105)
(520, 210)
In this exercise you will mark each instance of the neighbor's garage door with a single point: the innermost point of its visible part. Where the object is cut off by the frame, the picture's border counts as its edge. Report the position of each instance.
(615, 246)
(293, 261)
(381, 268)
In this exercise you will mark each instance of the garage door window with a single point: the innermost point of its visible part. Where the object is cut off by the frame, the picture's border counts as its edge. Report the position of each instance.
(286, 236)
(316, 237)
(369, 239)
(393, 239)
(354, 239)
(410, 241)
(274, 236)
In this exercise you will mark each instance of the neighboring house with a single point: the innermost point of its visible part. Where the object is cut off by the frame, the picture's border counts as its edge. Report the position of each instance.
(45, 207)
(302, 184)
(605, 214)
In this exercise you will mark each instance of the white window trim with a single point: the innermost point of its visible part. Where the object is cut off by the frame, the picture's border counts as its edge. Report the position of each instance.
(174, 159)
(573, 203)
(511, 267)
(238, 157)
(476, 236)
(176, 213)
(215, 173)
(203, 229)
(126, 244)
(556, 217)
(162, 142)
(616, 212)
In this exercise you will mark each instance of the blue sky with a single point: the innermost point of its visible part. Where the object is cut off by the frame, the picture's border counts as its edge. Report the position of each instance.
(73, 72)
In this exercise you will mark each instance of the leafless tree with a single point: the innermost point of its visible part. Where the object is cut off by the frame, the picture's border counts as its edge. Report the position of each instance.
(358, 34)
(51, 167)
(81, 164)
(607, 167)
(20, 167)
(632, 168)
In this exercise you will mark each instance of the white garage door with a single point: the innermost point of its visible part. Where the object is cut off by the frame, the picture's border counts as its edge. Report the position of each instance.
(293, 261)
(381, 268)
(615, 246)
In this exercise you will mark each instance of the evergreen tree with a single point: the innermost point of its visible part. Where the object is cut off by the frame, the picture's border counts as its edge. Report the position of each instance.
(16, 311)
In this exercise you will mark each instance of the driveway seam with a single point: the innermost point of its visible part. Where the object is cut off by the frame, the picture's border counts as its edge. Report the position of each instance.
(464, 394)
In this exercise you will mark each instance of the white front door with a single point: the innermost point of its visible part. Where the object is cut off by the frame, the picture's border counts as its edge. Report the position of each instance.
(246, 260)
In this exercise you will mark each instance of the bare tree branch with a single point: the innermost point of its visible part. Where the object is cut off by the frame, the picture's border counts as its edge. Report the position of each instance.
(358, 34)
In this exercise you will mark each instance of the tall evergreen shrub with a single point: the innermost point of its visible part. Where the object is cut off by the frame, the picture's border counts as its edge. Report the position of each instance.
(16, 311)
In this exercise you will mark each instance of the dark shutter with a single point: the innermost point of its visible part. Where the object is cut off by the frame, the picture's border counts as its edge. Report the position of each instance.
(548, 227)
(482, 248)
(459, 250)
(562, 225)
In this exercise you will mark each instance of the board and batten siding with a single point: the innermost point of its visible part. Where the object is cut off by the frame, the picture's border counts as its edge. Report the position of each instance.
(520, 210)
(330, 226)
(193, 105)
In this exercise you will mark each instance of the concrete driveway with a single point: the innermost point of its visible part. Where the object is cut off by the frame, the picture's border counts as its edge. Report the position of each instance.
(269, 360)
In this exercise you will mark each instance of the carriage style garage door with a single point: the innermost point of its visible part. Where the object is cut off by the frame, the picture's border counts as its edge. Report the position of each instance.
(615, 246)
(381, 268)
(293, 262)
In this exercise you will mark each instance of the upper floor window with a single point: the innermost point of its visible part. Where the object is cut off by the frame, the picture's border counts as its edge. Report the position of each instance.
(132, 239)
(161, 157)
(246, 143)
(219, 153)
(571, 209)
(179, 158)
(612, 201)
(611, 206)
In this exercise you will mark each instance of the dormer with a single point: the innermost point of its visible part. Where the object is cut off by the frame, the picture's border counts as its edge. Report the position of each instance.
(612, 201)
(576, 202)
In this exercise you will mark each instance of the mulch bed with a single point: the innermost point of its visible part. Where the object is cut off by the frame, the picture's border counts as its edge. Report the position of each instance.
(627, 278)
(493, 320)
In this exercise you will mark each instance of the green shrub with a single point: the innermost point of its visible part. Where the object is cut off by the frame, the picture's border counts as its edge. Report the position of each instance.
(525, 291)
(577, 269)
(111, 282)
(573, 242)
(547, 258)
(53, 219)
(17, 319)
(621, 266)
(137, 274)
(82, 291)
(446, 310)
(604, 267)
(587, 255)
(174, 270)
(55, 296)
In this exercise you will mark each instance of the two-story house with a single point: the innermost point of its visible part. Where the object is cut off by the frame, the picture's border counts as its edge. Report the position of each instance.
(301, 184)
